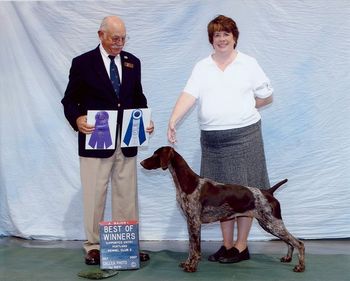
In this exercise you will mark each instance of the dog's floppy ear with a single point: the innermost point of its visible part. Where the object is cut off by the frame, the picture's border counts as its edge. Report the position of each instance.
(165, 156)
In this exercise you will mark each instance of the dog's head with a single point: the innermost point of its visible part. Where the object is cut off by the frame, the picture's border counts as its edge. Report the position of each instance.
(160, 159)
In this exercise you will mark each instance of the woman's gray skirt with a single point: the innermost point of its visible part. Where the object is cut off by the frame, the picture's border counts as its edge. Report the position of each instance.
(235, 156)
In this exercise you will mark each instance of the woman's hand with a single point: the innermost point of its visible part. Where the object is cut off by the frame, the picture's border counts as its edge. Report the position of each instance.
(171, 132)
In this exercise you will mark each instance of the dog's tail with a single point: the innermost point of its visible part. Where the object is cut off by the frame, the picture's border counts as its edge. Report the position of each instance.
(277, 185)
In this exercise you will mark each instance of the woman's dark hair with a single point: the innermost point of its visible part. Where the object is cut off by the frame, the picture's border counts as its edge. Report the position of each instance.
(223, 23)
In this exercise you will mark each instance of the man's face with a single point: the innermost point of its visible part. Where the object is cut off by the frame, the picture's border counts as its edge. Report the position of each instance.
(113, 39)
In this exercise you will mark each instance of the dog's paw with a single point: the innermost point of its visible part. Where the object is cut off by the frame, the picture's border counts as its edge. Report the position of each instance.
(187, 267)
(190, 268)
(286, 259)
(299, 268)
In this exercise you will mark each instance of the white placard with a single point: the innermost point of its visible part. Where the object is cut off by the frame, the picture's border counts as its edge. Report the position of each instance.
(103, 137)
(135, 122)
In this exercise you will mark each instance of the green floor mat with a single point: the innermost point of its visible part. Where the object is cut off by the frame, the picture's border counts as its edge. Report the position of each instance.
(51, 264)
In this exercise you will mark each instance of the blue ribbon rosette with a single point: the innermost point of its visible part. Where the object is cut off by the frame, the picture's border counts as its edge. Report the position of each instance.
(101, 136)
(135, 130)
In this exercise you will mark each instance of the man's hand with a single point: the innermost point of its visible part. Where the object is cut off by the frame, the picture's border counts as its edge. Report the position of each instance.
(150, 127)
(83, 126)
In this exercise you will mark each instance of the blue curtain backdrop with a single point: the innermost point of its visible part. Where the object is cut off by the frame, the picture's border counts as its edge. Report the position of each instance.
(303, 46)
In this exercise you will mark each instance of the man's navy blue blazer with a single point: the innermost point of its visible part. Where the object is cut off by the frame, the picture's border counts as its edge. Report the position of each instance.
(89, 88)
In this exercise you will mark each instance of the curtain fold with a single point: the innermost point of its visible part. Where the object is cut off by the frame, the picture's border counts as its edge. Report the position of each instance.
(304, 47)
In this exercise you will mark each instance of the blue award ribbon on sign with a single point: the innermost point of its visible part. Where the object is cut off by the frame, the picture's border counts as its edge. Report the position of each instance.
(101, 136)
(135, 127)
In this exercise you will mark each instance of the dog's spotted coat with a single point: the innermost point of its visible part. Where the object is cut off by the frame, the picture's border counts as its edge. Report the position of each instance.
(205, 201)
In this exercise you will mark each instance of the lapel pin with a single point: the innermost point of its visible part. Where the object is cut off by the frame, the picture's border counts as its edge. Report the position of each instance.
(128, 64)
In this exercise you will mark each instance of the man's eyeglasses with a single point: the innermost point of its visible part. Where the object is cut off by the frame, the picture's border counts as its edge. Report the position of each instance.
(120, 38)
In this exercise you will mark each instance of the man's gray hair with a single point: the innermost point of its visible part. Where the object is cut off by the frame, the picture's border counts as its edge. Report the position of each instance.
(104, 24)
(108, 20)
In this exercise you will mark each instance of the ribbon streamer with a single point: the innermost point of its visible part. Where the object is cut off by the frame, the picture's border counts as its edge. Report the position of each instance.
(135, 127)
(101, 136)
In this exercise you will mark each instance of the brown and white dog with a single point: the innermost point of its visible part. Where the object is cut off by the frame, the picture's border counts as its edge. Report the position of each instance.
(204, 201)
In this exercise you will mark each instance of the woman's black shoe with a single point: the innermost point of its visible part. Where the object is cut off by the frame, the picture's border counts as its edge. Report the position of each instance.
(233, 255)
(219, 254)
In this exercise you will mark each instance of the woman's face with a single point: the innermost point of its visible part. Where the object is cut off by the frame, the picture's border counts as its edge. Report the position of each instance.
(223, 41)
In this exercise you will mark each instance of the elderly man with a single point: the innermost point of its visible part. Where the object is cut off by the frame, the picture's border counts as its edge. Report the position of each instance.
(106, 78)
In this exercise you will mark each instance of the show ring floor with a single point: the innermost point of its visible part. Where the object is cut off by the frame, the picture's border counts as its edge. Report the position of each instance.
(37, 260)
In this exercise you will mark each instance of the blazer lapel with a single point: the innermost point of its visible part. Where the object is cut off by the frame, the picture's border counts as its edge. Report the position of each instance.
(101, 71)
(126, 69)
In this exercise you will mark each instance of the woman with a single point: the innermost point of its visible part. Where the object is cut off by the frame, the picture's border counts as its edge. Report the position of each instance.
(228, 87)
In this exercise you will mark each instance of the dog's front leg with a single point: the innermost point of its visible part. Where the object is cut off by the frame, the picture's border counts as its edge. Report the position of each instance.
(194, 255)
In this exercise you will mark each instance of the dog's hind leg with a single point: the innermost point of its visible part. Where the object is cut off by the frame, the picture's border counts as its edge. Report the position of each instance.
(194, 255)
(276, 227)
